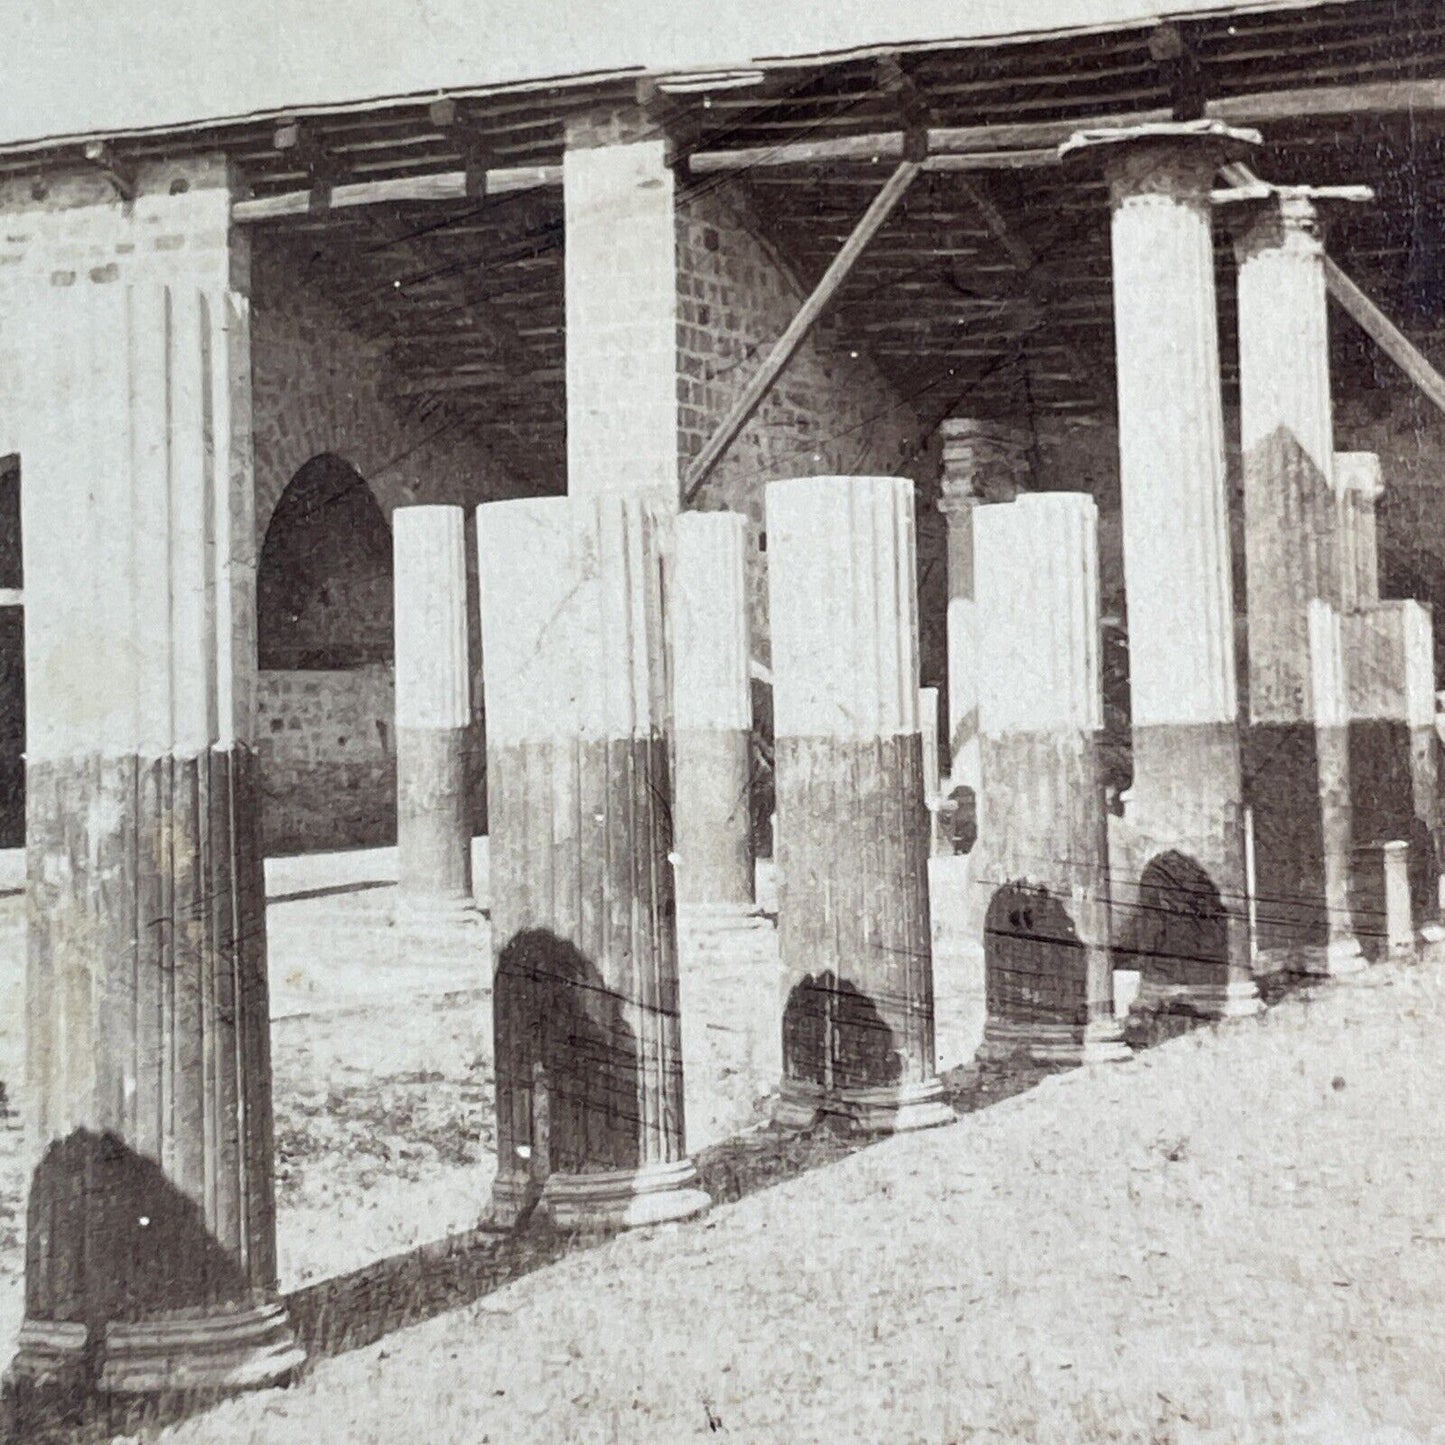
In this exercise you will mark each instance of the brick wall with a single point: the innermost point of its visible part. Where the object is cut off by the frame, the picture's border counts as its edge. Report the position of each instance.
(832, 410)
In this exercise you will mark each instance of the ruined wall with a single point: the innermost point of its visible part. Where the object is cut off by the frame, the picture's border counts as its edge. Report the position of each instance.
(832, 410)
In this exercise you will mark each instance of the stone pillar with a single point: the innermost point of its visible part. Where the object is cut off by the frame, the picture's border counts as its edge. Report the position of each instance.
(1360, 484)
(433, 713)
(1293, 555)
(585, 999)
(712, 714)
(621, 307)
(1048, 969)
(983, 461)
(151, 1255)
(1390, 666)
(1190, 933)
(858, 1032)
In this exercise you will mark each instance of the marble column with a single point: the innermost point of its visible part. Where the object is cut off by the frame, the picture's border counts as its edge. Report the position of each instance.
(712, 714)
(589, 1068)
(983, 461)
(1293, 556)
(1047, 965)
(1189, 934)
(433, 714)
(151, 1251)
(853, 914)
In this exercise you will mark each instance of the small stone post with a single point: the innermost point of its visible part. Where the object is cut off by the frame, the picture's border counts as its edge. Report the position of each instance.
(1190, 933)
(584, 927)
(433, 712)
(1048, 969)
(858, 1034)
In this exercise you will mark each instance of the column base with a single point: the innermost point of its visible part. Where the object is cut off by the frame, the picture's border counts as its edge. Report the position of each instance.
(451, 930)
(721, 918)
(889, 1109)
(1100, 1041)
(1237, 999)
(1339, 959)
(514, 1197)
(625, 1198)
(245, 1348)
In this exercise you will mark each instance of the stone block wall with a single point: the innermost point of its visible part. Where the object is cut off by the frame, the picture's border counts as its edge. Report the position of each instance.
(327, 750)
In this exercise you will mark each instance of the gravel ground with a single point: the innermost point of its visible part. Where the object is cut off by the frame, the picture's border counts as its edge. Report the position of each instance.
(1236, 1237)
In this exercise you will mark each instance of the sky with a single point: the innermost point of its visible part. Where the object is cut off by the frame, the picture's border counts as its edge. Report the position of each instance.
(84, 66)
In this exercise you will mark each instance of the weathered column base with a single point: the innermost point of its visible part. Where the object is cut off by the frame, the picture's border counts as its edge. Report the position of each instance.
(624, 1198)
(194, 1351)
(1337, 959)
(724, 918)
(885, 1109)
(1100, 1041)
(1236, 999)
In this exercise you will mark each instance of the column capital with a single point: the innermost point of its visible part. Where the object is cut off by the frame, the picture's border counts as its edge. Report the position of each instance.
(983, 461)
(1283, 219)
(1173, 159)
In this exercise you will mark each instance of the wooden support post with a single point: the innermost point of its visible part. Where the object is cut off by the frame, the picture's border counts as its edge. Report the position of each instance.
(761, 382)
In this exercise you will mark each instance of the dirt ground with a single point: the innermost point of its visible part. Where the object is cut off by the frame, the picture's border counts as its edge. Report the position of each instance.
(1236, 1237)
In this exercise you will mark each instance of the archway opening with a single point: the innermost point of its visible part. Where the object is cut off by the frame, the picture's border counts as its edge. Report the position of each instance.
(1035, 964)
(326, 698)
(1179, 936)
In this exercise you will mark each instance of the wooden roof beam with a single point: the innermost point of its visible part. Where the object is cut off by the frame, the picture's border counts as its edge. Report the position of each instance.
(761, 381)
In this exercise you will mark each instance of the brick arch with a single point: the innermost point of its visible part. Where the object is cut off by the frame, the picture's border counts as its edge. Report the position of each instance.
(324, 579)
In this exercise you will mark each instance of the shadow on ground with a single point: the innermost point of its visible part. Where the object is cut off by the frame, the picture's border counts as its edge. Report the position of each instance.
(351, 1311)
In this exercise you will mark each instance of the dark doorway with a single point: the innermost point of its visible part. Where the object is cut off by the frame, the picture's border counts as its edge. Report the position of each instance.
(1179, 936)
(324, 585)
(1035, 964)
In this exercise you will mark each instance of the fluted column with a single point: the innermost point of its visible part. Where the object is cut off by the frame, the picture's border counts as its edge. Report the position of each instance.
(151, 1254)
(1047, 967)
(1294, 547)
(712, 713)
(983, 461)
(854, 933)
(1190, 934)
(588, 1056)
(433, 713)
